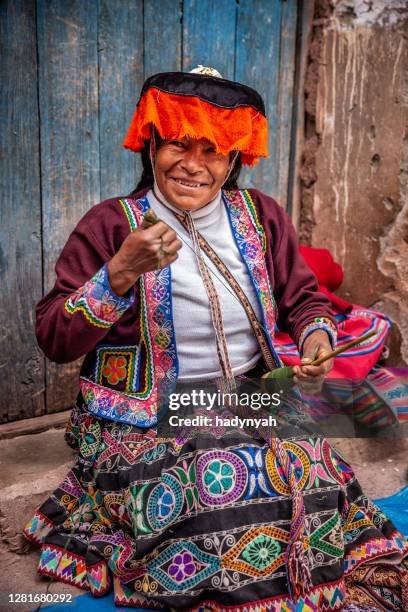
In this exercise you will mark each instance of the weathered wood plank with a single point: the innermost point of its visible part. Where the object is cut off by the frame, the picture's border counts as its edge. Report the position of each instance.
(26, 427)
(120, 49)
(21, 364)
(284, 142)
(257, 65)
(209, 35)
(68, 93)
(162, 36)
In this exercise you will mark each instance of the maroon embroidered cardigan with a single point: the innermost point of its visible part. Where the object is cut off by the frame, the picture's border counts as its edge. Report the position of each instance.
(66, 332)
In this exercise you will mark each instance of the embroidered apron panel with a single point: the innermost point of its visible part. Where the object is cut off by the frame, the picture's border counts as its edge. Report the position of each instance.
(251, 240)
(127, 379)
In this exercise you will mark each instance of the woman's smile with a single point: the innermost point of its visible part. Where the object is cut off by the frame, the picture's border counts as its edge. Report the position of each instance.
(189, 172)
(188, 183)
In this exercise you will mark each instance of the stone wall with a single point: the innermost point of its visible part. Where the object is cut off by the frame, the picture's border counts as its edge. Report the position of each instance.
(354, 197)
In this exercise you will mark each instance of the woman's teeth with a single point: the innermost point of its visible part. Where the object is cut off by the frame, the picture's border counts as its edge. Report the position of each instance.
(185, 184)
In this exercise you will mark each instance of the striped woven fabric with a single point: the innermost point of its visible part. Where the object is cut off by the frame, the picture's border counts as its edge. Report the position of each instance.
(357, 362)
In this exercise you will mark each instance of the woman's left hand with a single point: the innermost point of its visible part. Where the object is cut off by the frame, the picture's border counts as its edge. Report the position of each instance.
(316, 345)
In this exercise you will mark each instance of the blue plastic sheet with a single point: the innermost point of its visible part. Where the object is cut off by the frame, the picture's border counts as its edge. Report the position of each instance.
(396, 508)
(87, 603)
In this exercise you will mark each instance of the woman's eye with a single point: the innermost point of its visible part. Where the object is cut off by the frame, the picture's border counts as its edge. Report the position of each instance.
(177, 143)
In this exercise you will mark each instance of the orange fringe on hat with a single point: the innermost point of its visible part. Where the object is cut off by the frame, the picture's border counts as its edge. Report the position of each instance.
(176, 116)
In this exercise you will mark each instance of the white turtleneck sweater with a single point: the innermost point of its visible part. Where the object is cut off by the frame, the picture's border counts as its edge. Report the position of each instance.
(195, 337)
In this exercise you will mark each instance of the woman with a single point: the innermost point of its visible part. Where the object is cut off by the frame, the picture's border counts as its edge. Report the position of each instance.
(197, 523)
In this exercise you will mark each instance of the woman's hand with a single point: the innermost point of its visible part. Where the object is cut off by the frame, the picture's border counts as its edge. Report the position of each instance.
(311, 377)
(144, 250)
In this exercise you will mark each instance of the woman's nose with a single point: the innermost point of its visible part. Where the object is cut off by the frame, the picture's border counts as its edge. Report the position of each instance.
(193, 160)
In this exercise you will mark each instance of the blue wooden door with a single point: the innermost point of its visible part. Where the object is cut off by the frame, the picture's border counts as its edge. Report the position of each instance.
(71, 73)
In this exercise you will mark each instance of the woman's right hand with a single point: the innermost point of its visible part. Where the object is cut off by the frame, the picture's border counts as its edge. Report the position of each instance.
(144, 250)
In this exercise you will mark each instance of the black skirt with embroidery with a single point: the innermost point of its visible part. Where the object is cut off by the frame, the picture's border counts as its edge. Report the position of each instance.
(205, 523)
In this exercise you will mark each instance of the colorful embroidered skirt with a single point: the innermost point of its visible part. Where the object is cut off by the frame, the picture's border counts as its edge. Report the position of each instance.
(204, 524)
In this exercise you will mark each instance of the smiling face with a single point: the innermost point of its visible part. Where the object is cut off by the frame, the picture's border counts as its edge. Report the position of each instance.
(189, 173)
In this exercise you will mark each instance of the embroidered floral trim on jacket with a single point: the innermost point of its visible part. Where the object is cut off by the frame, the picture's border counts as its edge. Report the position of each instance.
(98, 302)
(319, 323)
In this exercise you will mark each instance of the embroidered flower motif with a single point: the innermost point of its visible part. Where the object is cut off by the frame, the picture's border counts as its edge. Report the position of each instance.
(166, 361)
(219, 477)
(243, 228)
(257, 274)
(235, 210)
(162, 339)
(263, 297)
(158, 291)
(251, 251)
(102, 303)
(122, 408)
(182, 567)
(115, 369)
(261, 551)
(89, 396)
(159, 315)
(165, 503)
(104, 403)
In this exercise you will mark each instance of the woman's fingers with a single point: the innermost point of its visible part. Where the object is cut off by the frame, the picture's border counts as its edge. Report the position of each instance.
(305, 370)
(308, 370)
(163, 240)
(171, 247)
(167, 251)
(156, 230)
(169, 235)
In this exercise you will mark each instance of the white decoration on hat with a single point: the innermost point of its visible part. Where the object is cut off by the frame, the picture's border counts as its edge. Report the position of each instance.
(206, 70)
